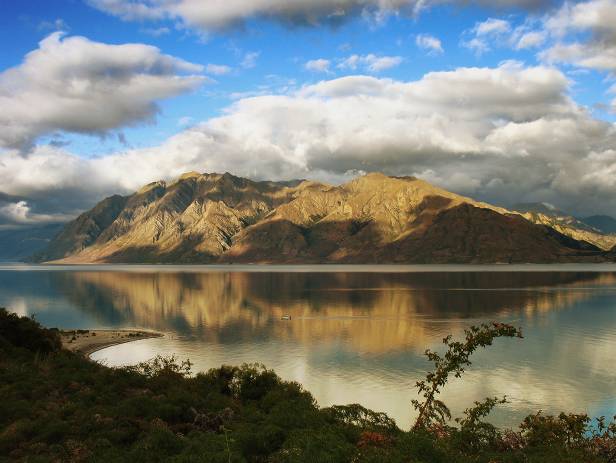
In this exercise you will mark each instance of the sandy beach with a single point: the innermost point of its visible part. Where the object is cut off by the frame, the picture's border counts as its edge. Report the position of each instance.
(86, 342)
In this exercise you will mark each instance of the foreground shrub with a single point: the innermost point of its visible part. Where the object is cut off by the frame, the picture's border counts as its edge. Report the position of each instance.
(27, 333)
(61, 407)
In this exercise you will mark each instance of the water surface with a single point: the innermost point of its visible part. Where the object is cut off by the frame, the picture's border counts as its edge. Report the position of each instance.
(356, 334)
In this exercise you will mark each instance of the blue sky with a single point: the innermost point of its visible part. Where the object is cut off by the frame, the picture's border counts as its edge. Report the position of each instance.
(282, 49)
(551, 66)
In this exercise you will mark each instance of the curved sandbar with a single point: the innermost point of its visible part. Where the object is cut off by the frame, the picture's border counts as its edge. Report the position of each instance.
(86, 342)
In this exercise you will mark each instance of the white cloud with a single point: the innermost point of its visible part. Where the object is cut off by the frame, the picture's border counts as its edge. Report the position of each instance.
(597, 18)
(507, 134)
(370, 63)
(587, 55)
(352, 62)
(250, 59)
(76, 85)
(381, 63)
(595, 15)
(430, 43)
(318, 65)
(58, 25)
(496, 32)
(15, 212)
(217, 69)
(21, 213)
(530, 39)
(218, 14)
(477, 45)
(490, 31)
(492, 26)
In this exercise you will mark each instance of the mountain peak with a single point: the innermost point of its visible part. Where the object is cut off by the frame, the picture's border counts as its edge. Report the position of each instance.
(151, 186)
(188, 175)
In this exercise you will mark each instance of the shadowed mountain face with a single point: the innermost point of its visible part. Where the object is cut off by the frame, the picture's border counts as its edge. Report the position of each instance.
(84, 230)
(373, 219)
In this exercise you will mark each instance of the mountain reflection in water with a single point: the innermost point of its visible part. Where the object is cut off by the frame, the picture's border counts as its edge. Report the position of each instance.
(355, 337)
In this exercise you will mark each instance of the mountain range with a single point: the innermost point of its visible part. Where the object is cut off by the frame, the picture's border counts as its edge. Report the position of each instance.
(221, 218)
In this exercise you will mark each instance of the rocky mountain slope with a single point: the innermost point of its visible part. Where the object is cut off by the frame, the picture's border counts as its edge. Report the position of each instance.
(208, 218)
(545, 214)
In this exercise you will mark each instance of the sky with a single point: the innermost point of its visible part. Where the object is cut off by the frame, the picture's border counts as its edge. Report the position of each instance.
(506, 101)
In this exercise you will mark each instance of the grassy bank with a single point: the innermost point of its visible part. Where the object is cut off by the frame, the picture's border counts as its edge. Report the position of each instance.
(58, 406)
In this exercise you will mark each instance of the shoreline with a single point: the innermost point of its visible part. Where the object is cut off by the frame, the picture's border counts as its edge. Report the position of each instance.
(87, 342)
(596, 267)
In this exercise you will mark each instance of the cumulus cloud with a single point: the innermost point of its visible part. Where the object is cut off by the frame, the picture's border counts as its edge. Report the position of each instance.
(597, 18)
(370, 63)
(15, 211)
(429, 43)
(318, 65)
(506, 134)
(220, 14)
(20, 213)
(75, 85)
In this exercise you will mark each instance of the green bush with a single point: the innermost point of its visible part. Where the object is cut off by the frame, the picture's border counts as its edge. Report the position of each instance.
(27, 333)
(59, 406)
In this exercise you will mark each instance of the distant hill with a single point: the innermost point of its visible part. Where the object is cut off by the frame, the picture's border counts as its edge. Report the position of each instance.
(18, 244)
(567, 224)
(216, 218)
(603, 223)
(540, 208)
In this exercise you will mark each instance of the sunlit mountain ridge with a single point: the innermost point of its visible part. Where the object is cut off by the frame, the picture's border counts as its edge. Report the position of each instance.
(210, 218)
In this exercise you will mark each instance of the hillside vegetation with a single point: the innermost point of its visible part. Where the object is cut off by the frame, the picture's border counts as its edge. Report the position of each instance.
(59, 406)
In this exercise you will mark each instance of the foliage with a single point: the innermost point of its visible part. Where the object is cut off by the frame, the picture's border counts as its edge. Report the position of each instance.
(63, 407)
(27, 333)
(573, 432)
(361, 417)
(475, 434)
(457, 357)
(163, 366)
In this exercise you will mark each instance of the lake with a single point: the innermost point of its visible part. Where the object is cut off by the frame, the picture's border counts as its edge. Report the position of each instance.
(356, 333)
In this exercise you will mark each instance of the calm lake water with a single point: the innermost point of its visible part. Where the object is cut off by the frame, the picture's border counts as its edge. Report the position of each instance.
(357, 334)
